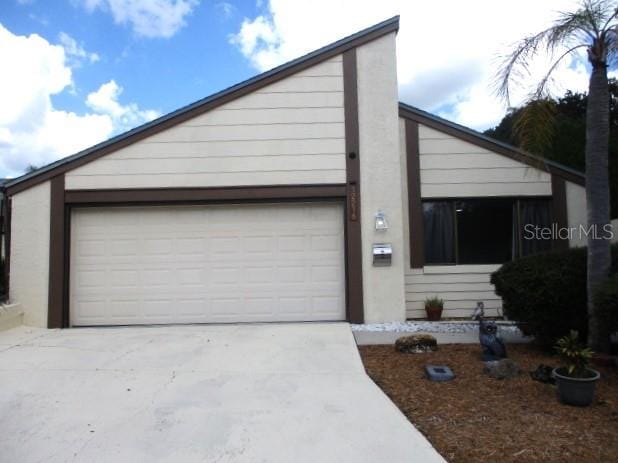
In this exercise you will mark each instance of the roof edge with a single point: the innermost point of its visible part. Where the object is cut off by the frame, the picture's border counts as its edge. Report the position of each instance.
(201, 106)
(411, 112)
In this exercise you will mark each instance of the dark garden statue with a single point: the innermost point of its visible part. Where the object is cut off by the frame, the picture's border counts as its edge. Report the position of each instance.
(493, 347)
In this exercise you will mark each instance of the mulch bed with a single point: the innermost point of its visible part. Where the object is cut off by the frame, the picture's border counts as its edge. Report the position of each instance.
(475, 418)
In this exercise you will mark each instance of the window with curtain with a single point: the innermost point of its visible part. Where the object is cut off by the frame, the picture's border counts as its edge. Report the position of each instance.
(483, 230)
(439, 233)
(533, 213)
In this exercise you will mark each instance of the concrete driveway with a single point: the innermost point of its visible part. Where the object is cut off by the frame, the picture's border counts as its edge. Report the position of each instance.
(234, 393)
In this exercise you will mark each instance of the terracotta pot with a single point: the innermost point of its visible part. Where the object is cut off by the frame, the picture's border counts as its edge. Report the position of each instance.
(433, 313)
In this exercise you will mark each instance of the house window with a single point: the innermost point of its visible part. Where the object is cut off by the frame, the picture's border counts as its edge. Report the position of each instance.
(483, 231)
(439, 220)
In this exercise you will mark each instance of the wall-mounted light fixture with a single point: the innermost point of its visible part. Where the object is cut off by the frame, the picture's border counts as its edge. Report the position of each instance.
(381, 223)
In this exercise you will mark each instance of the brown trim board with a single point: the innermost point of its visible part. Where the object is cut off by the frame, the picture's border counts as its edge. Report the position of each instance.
(463, 133)
(354, 246)
(559, 209)
(415, 207)
(7, 247)
(57, 248)
(63, 201)
(200, 195)
(204, 105)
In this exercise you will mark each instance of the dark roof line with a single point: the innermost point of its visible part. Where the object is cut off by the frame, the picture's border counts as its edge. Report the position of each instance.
(237, 90)
(484, 141)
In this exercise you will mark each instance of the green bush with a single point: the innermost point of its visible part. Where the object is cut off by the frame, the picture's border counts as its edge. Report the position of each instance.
(546, 293)
(606, 301)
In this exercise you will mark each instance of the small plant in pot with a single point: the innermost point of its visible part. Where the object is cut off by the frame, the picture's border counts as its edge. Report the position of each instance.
(433, 307)
(575, 380)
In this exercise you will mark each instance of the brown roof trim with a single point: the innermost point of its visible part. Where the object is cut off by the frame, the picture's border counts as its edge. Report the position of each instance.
(199, 107)
(476, 138)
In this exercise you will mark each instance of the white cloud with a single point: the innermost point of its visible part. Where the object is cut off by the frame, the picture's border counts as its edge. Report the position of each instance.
(76, 50)
(446, 51)
(124, 117)
(148, 18)
(32, 130)
(259, 42)
(226, 9)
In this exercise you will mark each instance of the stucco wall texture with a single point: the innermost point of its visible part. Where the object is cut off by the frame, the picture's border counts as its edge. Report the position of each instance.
(29, 277)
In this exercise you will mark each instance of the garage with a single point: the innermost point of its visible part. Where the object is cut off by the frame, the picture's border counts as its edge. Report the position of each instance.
(207, 264)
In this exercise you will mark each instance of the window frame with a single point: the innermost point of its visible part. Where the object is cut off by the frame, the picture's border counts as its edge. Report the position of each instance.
(516, 201)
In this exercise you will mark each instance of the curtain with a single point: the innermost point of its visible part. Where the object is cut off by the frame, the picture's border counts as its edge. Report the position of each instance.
(439, 221)
(534, 213)
(515, 245)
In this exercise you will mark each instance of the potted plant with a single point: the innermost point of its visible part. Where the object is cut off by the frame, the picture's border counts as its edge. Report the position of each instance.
(433, 307)
(575, 380)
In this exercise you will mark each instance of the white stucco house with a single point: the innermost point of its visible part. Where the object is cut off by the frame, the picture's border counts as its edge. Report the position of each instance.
(305, 193)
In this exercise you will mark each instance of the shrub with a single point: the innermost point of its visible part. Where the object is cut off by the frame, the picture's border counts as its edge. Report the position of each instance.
(546, 293)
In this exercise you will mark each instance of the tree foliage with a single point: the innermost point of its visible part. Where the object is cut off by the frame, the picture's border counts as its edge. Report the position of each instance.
(567, 139)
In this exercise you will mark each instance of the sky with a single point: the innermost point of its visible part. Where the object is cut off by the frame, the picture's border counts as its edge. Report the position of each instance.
(77, 72)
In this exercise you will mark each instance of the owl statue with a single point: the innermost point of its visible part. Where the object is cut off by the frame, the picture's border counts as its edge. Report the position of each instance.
(493, 347)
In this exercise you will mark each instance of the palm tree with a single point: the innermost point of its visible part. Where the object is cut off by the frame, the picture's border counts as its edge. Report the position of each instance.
(593, 26)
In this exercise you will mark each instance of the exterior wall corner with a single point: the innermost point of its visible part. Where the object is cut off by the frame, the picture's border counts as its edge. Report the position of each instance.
(381, 177)
(30, 244)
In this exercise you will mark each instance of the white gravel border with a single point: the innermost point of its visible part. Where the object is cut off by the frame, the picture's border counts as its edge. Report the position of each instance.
(504, 327)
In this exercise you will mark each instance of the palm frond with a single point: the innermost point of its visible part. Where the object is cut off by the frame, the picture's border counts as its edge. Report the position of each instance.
(535, 125)
(541, 89)
(611, 43)
(570, 31)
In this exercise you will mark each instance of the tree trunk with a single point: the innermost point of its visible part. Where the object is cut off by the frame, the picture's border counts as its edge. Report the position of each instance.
(597, 198)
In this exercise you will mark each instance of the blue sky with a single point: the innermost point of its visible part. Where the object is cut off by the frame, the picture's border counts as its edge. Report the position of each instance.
(163, 73)
(76, 72)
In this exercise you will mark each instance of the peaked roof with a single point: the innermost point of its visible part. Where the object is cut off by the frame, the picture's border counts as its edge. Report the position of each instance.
(201, 106)
(472, 136)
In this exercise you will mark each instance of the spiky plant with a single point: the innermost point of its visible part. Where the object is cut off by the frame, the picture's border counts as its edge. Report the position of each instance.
(575, 357)
(593, 26)
(434, 302)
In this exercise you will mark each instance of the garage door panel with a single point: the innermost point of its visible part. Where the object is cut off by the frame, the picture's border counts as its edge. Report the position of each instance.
(291, 243)
(204, 264)
(291, 274)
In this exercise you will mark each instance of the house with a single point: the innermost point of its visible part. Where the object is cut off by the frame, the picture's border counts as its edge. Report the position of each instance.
(305, 193)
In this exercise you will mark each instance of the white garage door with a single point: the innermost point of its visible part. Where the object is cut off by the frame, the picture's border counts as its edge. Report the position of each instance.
(204, 264)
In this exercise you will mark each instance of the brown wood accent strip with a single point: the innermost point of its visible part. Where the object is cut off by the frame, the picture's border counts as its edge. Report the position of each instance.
(391, 25)
(415, 208)
(495, 147)
(7, 247)
(199, 195)
(354, 246)
(559, 209)
(57, 242)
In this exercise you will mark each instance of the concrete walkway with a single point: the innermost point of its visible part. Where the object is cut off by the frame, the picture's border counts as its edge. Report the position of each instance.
(235, 393)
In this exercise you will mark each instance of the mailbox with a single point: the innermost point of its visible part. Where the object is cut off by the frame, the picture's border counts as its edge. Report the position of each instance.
(382, 254)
